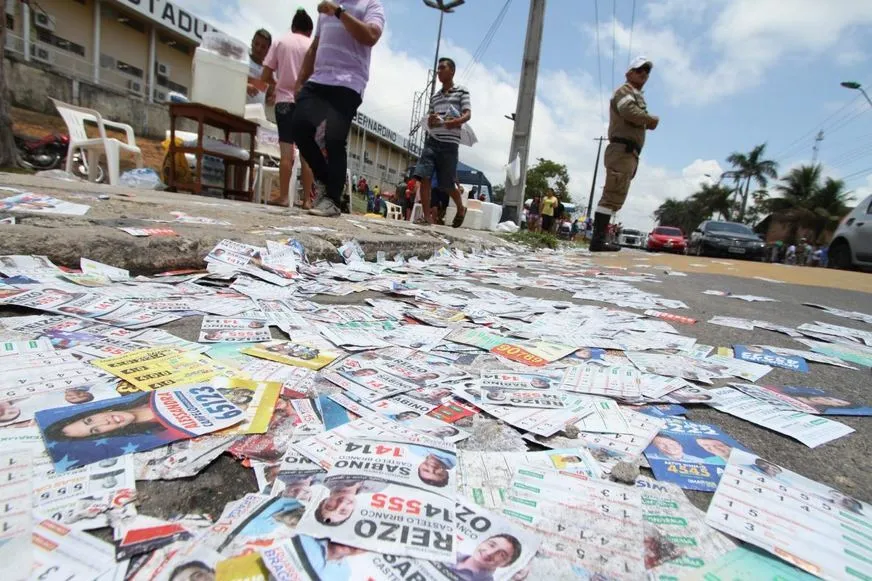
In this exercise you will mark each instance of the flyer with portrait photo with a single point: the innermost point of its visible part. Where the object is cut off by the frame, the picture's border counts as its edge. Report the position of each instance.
(690, 455)
(135, 423)
(300, 354)
(224, 330)
(810, 400)
(370, 483)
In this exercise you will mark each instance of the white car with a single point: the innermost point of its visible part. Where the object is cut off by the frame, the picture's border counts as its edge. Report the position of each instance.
(851, 246)
(631, 238)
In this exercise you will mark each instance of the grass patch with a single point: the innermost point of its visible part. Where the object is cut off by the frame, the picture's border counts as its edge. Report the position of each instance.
(534, 240)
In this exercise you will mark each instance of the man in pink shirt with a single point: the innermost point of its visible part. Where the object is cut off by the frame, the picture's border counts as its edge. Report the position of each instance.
(332, 81)
(285, 59)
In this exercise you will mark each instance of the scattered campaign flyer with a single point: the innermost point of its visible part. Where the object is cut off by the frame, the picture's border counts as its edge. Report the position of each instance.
(39, 204)
(763, 356)
(62, 553)
(107, 429)
(617, 382)
(594, 524)
(15, 521)
(678, 543)
(803, 522)
(158, 367)
(519, 398)
(40, 345)
(221, 329)
(300, 354)
(501, 380)
(690, 455)
(373, 482)
(815, 400)
(484, 477)
(533, 353)
(254, 520)
(813, 431)
(743, 563)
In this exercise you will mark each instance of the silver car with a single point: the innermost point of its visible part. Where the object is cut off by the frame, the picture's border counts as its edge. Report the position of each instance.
(852, 243)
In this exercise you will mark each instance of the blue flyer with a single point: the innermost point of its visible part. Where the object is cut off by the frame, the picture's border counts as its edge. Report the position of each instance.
(79, 435)
(691, 455)
(763, 356)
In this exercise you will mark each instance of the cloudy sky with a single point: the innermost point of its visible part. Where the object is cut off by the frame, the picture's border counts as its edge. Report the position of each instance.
(728, 74)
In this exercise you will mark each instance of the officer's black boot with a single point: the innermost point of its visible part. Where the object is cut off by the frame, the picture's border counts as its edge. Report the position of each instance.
(599, 239)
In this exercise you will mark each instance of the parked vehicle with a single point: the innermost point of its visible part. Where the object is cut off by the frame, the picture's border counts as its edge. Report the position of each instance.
(851, 246)
(666, 239)
(50, 152)
(726, 239)
(631, 238)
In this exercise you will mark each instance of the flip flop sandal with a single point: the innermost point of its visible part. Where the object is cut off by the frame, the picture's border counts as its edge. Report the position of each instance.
(458, 219)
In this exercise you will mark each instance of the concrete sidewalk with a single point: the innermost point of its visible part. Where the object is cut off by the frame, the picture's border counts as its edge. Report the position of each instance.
(96, 235)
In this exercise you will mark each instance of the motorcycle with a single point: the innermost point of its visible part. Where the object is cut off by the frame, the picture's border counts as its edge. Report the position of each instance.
(50, 152)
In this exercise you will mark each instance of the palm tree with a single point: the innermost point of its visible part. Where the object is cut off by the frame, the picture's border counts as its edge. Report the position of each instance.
(753, 167)
(805, 202)
(714, 199)
(684, 214)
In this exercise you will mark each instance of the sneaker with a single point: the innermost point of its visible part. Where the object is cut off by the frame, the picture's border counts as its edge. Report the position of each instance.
(325, 207)
(320, 193)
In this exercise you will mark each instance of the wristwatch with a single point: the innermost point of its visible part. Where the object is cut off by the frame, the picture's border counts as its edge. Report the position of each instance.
(339, 12)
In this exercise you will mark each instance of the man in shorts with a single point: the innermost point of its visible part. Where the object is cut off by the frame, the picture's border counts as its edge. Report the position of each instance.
(284, 60)
(449, 110)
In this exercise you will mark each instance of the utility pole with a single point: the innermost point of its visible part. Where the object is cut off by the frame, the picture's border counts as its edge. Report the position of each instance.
(514, 199)
(816, 149)
(595, 168)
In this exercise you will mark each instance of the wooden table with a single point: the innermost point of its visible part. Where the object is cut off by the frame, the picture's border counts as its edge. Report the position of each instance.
(219, 119)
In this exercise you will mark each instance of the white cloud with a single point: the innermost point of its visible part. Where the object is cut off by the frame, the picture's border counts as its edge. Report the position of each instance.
(745, 40)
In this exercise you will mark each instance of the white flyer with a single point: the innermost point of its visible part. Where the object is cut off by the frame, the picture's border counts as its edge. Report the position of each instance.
(617, 382)
(63, 554)
(484, 477)
(40, 345)
(220, 329)
(373, 482)
(99, 269)
(811, 430)
(806, 523)
(16, 522)
(595, 524)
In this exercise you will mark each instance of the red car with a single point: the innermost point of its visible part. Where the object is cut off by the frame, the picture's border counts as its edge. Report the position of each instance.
(667, 239)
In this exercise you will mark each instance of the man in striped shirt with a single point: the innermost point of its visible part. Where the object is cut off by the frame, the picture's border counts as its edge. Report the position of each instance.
(330, 88)
(449, 110)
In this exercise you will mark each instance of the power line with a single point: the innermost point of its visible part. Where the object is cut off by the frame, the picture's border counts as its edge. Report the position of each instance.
(599, 66)
(614, 37)
(632, 26)
(863, 173)
(486, 41)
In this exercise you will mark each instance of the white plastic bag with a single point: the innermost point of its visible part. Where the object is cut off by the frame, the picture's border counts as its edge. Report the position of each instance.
(513, 170)
(508, 227)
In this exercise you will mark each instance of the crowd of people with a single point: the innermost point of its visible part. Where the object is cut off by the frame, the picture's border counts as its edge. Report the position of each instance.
(317, 84)
(802, 254)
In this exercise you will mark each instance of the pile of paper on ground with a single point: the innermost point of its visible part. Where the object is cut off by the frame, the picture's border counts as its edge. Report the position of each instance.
(361, 424)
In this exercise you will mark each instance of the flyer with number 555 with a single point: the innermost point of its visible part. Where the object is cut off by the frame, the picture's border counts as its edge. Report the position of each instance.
(75, 436)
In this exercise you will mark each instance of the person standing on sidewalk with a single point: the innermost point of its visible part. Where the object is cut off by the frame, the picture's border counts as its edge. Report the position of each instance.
(548, 208)
(285, 59)
(330, 89)
(628, 121)
(449, 109)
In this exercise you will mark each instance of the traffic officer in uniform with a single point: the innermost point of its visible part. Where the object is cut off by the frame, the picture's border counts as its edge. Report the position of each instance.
(628, 121)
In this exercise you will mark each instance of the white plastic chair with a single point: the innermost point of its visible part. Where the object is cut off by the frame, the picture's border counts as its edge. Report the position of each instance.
(266, 145)
(395, 212)
(75, 118)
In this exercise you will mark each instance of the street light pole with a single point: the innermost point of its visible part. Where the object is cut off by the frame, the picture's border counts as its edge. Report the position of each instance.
(857, 87)
(442, 7)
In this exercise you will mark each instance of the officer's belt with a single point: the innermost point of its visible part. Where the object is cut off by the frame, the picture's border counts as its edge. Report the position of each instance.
(632, 146)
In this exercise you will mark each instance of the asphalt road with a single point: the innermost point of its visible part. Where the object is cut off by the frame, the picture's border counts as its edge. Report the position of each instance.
(843, 464)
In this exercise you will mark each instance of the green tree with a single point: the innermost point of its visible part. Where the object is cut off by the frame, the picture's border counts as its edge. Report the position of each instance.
(752, 167)
(685, 214)
(805, 202)
(8, 152)
(714, 199)
(547, 174)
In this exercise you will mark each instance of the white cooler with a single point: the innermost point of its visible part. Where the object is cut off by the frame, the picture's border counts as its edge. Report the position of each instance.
(219, 81)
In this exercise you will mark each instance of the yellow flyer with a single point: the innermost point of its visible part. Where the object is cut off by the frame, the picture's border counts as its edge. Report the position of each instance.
(256, 398)
(248, 567)
(157, 367)
(291, 353)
